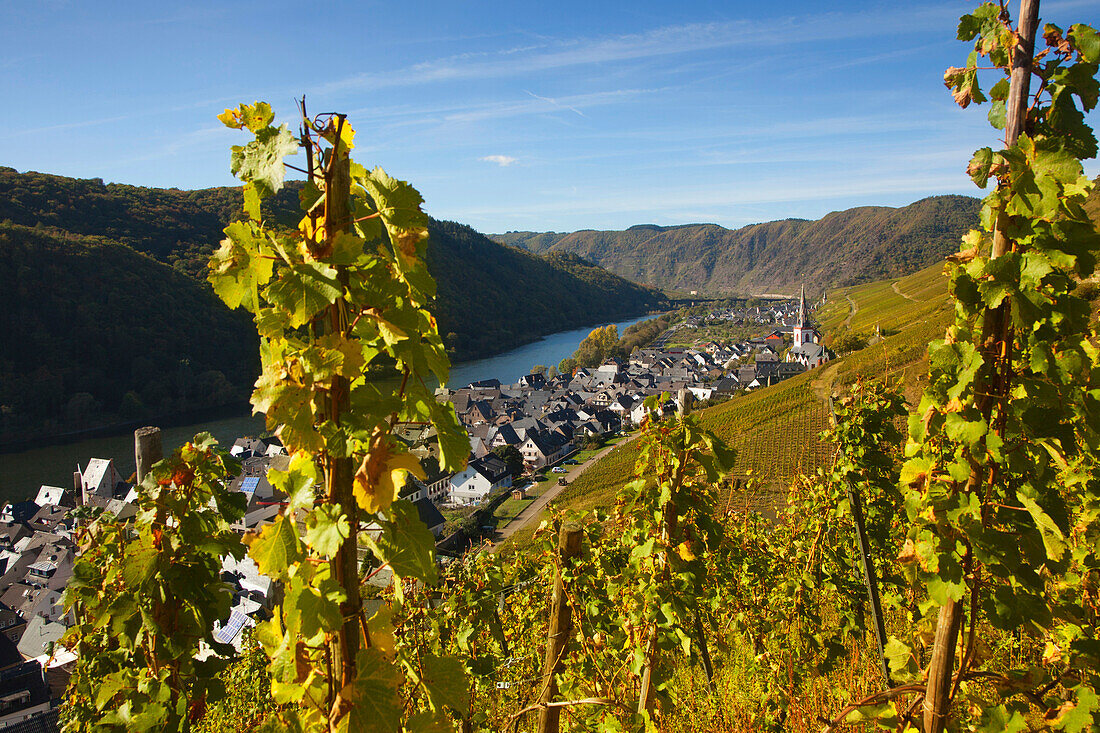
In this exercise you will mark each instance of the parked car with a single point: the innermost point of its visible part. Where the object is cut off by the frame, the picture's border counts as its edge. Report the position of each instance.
(571, 461)
(562, 481)
(558, 469)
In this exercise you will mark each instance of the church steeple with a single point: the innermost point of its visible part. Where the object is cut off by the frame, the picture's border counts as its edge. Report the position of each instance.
(802, 332)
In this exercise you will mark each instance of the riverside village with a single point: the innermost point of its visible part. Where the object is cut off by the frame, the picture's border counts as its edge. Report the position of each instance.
(523, 440)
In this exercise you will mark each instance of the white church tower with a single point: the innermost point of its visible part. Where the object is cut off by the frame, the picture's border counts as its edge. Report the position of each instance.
(803, 332)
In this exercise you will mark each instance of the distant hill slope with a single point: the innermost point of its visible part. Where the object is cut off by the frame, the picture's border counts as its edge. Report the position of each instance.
(95, 333)
(842, 248)
(154, 244)
(489, 296)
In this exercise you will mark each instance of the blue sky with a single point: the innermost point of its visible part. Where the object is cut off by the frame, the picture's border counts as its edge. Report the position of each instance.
(543, 116)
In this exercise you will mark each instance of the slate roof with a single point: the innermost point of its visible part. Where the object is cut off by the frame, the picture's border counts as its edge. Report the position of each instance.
(46, 722)
(39, 637)
(429, 515)
(491, 466)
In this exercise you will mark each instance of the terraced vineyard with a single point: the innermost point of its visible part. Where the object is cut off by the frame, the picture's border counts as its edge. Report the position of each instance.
(774, 431)
(910, 312)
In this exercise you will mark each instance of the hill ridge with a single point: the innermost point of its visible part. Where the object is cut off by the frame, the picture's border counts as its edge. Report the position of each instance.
(843, 247)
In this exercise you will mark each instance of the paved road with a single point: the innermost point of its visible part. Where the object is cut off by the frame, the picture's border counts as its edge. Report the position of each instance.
(534, 509)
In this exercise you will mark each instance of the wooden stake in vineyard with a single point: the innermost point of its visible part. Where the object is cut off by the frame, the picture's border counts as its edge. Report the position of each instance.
(992, 383)
(561, 626)
(339, 472)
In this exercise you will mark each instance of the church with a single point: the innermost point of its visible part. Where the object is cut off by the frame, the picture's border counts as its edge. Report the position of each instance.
(807, 348)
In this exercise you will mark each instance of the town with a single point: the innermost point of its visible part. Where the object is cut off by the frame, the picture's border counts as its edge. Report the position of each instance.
(545, 417)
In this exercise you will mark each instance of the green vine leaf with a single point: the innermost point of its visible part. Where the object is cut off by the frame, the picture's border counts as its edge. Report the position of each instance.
(276, 548)
(406, 545)
(327, 528)
(260, 162)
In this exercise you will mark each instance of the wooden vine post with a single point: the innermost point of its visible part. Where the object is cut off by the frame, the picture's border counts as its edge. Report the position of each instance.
(870, 579)
(646, 696)
(561, 627)
(992, 383)
(339, 471)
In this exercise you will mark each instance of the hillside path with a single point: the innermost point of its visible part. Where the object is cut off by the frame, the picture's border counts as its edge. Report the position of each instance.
(534, 509)
(894, 285)
(852, 309)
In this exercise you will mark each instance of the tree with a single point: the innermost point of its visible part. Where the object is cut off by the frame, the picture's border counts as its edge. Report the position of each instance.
(848, 341)
(512, 457)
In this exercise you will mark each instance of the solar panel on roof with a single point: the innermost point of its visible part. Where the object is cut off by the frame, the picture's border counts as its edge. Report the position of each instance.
(226, 634)
(249, 485)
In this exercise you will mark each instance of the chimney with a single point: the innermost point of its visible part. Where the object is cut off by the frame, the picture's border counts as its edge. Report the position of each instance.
(78, 488)
(147, 450)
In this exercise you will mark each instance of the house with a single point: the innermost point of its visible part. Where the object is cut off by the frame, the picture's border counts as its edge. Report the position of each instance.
(543, 448)
(726, 386)
(52, 495)
(253, 597)
(810, 355)
(12, 625)
(245, 577)
(11, 533)
(257, 447)
(621, 406)
(431, 517)
(26, 700)
(789, 369)
(100, 479)
(438, 483)
(701, 392)
(485, 384)
(478, 447)
(478, 479)
(534, 380)
(40, 637)
(264, 500)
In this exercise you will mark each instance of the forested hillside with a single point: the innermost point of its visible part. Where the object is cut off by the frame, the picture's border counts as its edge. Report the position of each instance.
(491, 298)
(843, 248)
(113, 269)
(95, 332)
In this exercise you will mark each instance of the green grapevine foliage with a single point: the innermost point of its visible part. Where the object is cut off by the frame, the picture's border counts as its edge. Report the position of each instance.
(346, 344)
(146, 596)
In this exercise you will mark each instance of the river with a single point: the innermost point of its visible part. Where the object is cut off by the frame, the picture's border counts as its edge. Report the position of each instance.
(22, 473)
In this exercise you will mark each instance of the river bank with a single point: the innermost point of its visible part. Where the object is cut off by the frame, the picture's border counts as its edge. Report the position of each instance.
(53, 460)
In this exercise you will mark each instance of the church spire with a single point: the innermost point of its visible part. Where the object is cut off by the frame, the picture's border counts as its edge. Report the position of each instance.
(802, 307)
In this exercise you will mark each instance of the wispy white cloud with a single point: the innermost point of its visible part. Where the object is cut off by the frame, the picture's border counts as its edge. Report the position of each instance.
(461, 113)
(657, 42)
(555, 103)
(727, 205)
(502, 160)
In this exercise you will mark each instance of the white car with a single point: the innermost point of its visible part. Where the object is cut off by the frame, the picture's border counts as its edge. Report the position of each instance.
(558, 469)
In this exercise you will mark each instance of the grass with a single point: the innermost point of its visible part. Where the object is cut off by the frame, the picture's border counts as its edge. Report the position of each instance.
(510, 509)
